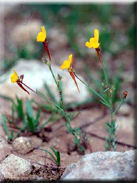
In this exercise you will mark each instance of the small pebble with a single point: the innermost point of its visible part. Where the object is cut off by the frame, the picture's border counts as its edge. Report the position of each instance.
(23, 145)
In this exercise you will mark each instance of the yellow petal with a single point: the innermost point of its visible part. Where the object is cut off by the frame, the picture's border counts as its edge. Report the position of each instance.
(96, 45)
(96, 34)
(41, 35)
(87, 44)
(43, 31)
(67, 63)
(92, 40)
(70, 59)
(14, 77)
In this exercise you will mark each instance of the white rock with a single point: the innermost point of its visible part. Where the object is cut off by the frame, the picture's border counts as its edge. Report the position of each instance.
(23, 145)
(36, 74)
(103, 166)
(15, 168)
(125, 109)
(1, 177)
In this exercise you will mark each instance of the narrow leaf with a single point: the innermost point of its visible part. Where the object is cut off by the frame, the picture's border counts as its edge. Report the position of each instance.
(4, 123)
(29, 109)
(50, 93)
(19, 108)
(30, 123)
(50, 155)
(36, 121)
(58, 158)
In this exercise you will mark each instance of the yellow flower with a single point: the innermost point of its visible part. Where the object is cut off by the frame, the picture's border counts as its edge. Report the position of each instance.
(93, 43)
(67, 63)
(14, 77)
(41, 35)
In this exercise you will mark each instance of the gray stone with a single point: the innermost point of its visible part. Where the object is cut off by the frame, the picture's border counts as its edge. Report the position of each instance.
(58, 38)
(5, 148)
(5, 9)
(23, 145)
(103, 166)
(36, 73)
(128, 76)
(27, 33)
(15, 168)
(126, 123)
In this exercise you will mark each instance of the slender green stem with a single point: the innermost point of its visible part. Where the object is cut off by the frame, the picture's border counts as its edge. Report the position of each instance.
(53, 74)
(111, 141)
(92, 90)
(99, 96)
(105, 75)
(116, 110)
(62, 104)
(40, 95)
(60, 92)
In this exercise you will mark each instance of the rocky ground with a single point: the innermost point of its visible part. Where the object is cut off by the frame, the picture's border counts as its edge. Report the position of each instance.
(91, 120)
(23, 159)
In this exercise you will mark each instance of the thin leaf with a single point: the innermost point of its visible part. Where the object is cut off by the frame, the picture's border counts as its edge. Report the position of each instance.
(29, 109)
(101, 97)
(77, 104)
(57, 154)
(50, 155)
(12, 111)
(46, 122)
(95, 80)
(70, 116)
(50, 93)
(61, 87)
(107, 124)
(30, 123)
(58, 158)
(106, 104)
(6, 98)
(54, 151)
(19, 108)
(36, 121)
(4, 123)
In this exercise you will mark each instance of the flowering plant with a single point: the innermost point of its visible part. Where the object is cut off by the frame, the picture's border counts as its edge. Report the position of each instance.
(67, 65)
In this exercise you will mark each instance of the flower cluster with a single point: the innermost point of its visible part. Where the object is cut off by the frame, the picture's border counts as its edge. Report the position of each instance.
(67, 64)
